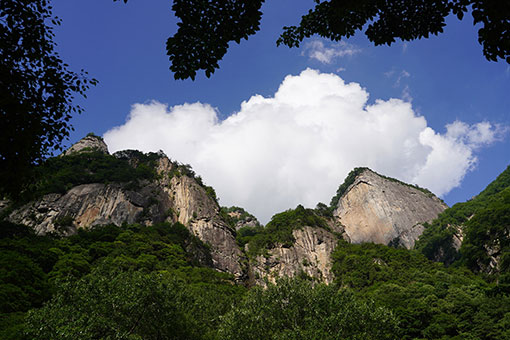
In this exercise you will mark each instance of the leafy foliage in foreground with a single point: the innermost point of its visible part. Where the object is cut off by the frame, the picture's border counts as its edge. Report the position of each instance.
(148, 282)
(37, 267)
(300, 310)
(106, 304)
(207, 27)
(37, 91)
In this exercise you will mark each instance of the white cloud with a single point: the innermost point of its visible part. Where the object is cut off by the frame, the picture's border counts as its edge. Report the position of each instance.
(389, 73)
(475, 135)
(406, 94)
(298, 146)
(316, 49)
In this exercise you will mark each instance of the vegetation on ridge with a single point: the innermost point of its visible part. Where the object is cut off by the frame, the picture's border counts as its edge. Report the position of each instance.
(59, 174)
(436, 242)
(429, 300)
(279, 230)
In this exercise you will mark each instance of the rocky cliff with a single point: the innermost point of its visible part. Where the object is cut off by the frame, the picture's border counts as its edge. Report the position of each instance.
(382, 210)
(88, 143)
(96, 188)
(368, 208)
(310, 255)
(174, 195)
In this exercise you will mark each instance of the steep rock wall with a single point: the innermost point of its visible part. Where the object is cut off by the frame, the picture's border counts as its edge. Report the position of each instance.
(310, 254)
(167, 198)
(380, 210)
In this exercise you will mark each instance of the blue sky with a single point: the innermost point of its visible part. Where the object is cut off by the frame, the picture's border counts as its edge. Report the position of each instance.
(445, 78)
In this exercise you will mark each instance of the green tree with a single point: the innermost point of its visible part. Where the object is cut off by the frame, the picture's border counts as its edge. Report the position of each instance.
(36, 90)
(298, 309)
(110, 305)
(207, 26)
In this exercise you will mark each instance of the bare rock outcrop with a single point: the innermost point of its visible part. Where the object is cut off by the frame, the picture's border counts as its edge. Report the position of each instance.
(310, 254)
(87, 144)
(225, 252)
(172, 196)
(382, 210)
(81, 207)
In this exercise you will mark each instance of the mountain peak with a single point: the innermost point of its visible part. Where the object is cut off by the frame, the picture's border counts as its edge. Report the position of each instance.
(379, 209)
(89, 143)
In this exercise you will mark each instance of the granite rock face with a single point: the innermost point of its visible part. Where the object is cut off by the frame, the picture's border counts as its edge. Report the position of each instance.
(87, 144)
(170, 197)
(372, 209)
(81, 207)
(310, 254)
(242, 219)
(381, 210)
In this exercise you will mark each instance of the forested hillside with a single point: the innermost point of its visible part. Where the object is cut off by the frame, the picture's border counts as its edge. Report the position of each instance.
(162, 279)
(475, 233)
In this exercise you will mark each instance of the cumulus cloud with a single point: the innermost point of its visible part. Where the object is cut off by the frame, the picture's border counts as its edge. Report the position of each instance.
(317, 50)
(297, 146)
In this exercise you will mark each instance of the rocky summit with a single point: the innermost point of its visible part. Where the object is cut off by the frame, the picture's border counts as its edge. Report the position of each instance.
(90, 187)
(382, 210)
(173, 194)
(368, 208)
(91, 142)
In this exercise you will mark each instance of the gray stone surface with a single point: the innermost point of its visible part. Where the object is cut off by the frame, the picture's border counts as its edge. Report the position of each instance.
(87, 144)
(169, 198)
(310, 254)
(379, 210)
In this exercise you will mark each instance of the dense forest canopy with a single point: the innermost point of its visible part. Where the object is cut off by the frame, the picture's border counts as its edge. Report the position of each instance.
(150, 282)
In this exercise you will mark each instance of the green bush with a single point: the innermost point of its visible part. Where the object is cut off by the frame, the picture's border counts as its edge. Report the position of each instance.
(297, 309)
(279, 229)
(59, 174)
(436, 242)
(430, 300)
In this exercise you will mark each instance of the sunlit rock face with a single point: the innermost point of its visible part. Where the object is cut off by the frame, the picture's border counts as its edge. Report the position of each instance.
(373, 208)
(167, 198)
(309, 255)
(87, 144)
(381, 210)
